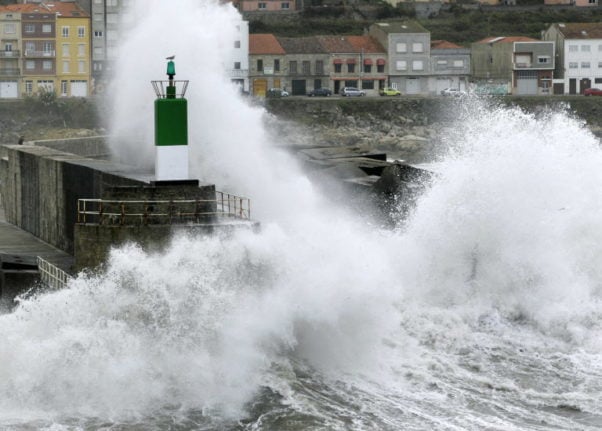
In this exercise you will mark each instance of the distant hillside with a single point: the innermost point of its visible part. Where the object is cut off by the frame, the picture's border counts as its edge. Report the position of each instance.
(462, 24)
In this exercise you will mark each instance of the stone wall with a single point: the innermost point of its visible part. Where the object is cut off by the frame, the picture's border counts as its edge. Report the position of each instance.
(40, 187)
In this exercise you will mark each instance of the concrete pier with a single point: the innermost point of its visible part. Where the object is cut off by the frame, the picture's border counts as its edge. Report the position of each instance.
(18, 252)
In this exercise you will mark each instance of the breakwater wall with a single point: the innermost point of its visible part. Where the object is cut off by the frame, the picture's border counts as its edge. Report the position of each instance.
(41, 187)
(336, 111)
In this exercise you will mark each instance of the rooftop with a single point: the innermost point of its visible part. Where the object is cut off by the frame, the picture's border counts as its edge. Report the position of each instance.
(264, 44)
(584, 30)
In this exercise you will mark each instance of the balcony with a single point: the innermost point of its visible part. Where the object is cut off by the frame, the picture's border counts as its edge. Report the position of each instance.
(10, 54)
(10, 72)
(522, 65)
(238, 73)
(40, 54)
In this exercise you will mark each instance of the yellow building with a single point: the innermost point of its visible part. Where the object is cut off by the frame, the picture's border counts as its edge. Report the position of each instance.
(73, 60)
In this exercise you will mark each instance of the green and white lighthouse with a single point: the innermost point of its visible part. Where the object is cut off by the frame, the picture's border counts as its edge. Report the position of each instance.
(171, 127)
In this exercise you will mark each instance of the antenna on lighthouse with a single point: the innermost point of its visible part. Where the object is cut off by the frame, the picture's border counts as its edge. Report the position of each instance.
(171, 127)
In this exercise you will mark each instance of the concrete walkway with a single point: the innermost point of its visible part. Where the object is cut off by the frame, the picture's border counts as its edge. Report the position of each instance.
(15, 241)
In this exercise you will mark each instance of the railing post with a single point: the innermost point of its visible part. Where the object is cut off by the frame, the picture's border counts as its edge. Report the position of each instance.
(122, 222)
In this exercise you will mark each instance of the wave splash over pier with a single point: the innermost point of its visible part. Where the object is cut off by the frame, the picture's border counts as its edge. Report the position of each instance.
(481, 311)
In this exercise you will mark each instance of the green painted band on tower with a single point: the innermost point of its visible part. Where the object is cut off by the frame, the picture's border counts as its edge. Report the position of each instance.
(171, 122)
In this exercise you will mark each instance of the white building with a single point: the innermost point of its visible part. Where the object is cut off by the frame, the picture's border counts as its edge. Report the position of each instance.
(237, 65)
(578, 56)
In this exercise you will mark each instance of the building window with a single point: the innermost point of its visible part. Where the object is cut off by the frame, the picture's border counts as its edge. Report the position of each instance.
(401, 65)
(380, 68)
(237, 44)
(368, 85)
(441, 63)
(585, 48)
(350, 67)
(98, 51)
(98, 17)
(81, 67)
(261, 5)
(319, 67)
(81, 50)
(28, 87)
(306, 67)
(47, 65)
(598, 81)
(66, 50)
(338, 68)
(63, 88)
(417, 65)
(573, 48)
(292, 67)
(65, 67)
(573, 65)
(81, 31)
(11, 29)
(112, 3)
(46, 28)
(543, 60)
(585, 64)
(8, 47)
(600, 65)
(65, 31)
(30, 48)
(260, 65)
(48, 49)
(237, 65)
(30, 65)
(97, 34)
(284, 5)
(30, 28)
(276, 65)
(417, 47)
(401, 47)
(458, 63)
(367, 68)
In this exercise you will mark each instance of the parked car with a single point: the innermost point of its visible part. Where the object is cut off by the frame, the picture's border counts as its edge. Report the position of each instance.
(277, 92)
(388, 91)
(452, 92)
(592, 92)
(351, 91)
(319, 92)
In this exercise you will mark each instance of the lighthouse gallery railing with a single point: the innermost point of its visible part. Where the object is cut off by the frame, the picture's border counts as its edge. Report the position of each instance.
(125, 212)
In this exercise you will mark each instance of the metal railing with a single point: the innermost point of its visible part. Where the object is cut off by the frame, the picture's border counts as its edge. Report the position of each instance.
(160, 212)
(10, 54)
(51, 275)
(10, 72)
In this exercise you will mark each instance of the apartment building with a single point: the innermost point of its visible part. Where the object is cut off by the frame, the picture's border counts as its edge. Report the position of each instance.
(266, 64)
(578, 56)
(45, 47)
(10, 53)
(355, 61)
(450, 66)
(304, 66)
(73, 50)
(408, 46)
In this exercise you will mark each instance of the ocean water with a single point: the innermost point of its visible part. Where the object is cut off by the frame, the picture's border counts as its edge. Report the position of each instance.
(480, 311)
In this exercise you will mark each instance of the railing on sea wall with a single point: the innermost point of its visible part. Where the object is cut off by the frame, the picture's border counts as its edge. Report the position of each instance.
(51, 275)
(145, 212)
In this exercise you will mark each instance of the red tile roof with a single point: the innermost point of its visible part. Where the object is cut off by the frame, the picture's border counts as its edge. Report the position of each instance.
(583, 30)
(443, 44)
(264, 44)
(366, 43)
(350, 44)
(63, 9)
